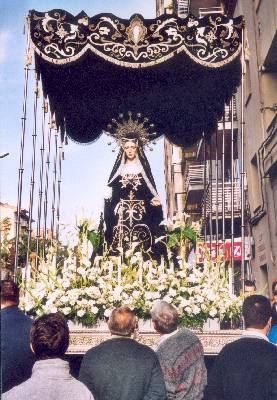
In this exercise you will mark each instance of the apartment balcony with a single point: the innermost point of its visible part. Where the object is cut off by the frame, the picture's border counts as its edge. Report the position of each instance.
(228, 118)
(194, 187)
(183, 8)
(210, 10)
(213, 199)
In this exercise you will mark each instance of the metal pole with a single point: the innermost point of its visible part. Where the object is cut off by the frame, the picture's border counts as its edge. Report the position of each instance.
(242, 165)
(232, 192)
(21, 160)
(54, 185)
(223, 182)
(32, 181)
(205, 190)
(211, 197)
(41, 174)
(45, 203)
(59, 187)
(216, 194)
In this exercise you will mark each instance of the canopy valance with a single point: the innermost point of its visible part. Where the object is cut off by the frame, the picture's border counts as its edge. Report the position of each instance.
(177, 72)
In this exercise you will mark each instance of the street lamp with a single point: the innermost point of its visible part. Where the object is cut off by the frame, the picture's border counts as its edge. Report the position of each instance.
(2, 155)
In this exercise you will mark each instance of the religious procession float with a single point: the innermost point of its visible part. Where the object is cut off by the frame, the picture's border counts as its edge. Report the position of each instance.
(135, 80)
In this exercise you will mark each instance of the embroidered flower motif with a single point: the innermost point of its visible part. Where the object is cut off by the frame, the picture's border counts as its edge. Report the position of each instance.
(61, 32)
(210, 37)
(192, 23)
(131, 179)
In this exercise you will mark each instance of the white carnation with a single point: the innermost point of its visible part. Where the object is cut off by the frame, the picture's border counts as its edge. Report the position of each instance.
(66, 310)
(107, 313)
(94, 310)
(81, 313)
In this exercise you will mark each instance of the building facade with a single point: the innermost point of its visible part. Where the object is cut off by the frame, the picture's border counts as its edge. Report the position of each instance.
(9, 212)
(195, 182)
(260, 150)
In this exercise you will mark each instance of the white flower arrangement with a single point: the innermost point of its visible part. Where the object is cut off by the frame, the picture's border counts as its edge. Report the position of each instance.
(86, 291)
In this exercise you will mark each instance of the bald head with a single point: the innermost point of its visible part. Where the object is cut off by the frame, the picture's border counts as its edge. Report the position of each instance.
(122, 322)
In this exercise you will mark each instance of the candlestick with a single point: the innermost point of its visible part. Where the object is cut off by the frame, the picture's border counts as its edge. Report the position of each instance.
(119, 270)
(110, 267)
(140, 272)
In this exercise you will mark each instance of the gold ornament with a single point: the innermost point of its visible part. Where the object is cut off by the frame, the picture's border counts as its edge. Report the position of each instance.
(134, 128)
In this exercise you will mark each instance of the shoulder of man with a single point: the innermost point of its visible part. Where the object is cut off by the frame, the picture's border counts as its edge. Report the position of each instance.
(255, 345)
(183, 336)
(15, 313)
(128, 342)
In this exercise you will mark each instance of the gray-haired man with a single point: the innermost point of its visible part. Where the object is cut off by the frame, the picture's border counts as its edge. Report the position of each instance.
(180, 353)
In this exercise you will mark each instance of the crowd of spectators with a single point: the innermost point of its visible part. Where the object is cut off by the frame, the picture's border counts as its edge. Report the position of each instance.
(34, 366)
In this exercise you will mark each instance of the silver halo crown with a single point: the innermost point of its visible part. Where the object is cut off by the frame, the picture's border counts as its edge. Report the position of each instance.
(134, 128)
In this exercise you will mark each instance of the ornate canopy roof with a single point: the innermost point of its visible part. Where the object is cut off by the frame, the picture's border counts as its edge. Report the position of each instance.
(176, 72)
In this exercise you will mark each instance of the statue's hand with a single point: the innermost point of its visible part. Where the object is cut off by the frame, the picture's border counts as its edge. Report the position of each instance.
(155, 201)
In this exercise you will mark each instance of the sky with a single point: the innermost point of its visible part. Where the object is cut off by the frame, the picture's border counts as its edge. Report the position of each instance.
(86, 169)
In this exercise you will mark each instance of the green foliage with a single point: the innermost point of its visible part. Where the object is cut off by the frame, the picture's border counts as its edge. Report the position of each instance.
(180, 234)
(85, 232)
(94, 238)
(193, 321)
(5, 227)
(88, 319)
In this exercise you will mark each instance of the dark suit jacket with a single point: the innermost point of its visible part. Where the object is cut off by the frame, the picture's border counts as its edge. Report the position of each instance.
(122, 369)
(244, 370)
(17, 358)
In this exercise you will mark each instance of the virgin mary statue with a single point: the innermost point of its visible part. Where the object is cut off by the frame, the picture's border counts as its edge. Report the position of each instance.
(133, 211)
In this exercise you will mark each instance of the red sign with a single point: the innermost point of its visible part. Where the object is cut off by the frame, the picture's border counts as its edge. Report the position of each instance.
(223, 250)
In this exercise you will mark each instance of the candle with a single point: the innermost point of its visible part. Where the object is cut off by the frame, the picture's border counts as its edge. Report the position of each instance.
(110, 267)
(150, 268)
(230, 280)
(162, 266)
(140, 272)
(119, 270)
(28, 272)
(171, 267)
(54, 261)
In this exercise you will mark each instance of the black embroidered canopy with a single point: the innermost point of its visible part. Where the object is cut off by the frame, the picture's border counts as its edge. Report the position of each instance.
(176, 72)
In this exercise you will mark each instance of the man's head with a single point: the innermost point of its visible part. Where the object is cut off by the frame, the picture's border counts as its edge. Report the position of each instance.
(49, 336)
(122, 322)
(9, 293)
(256, 311)
(165, 317)
(249, 287)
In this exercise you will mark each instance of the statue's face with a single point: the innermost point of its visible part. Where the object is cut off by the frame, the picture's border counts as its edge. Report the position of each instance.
(130, 150)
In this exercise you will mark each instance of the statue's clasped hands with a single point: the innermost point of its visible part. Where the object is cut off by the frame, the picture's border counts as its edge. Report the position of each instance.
(155, 201)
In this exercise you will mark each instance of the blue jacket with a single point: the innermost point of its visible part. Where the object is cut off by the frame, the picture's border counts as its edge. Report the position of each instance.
(17, 358)
(272, 336)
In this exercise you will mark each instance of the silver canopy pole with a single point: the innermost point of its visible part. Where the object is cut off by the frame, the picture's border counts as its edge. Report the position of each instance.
(28, 62)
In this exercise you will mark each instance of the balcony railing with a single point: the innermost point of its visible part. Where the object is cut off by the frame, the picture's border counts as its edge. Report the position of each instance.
(210, 10)
(195, 175)
(183, 8)
(215, 198)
